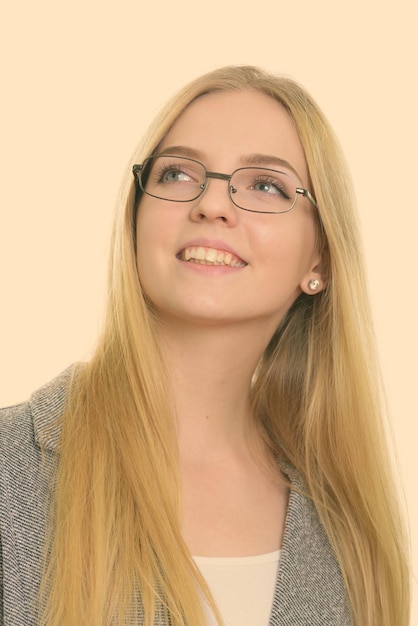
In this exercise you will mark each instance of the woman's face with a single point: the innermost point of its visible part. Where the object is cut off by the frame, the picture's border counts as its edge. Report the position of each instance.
(258, 263)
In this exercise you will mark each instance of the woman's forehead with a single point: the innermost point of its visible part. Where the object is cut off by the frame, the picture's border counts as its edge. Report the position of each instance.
(227, 125)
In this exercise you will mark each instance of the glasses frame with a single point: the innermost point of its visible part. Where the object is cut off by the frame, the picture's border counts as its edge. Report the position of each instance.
(139, 169)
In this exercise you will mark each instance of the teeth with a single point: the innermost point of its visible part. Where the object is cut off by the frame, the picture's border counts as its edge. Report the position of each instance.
(210, 256)
(199, 254)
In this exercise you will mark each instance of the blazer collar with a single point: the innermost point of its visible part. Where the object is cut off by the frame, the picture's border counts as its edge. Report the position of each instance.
(47, 405)
(309, 586)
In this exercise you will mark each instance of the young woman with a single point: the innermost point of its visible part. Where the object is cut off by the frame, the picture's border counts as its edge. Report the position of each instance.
(221, 458)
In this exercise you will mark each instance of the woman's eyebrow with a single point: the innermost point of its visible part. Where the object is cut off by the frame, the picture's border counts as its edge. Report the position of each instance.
(254, 158)
(182, 151)
(265, 160)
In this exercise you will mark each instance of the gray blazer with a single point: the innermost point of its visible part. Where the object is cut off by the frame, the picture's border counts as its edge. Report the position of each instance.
(309, 588)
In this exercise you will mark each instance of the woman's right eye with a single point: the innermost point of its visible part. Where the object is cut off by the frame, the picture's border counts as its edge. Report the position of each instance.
(174, 176)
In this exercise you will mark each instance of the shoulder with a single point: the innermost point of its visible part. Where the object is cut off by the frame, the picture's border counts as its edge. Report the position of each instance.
(14, 420)
(29, 434)
(37, 420)
(17, 442)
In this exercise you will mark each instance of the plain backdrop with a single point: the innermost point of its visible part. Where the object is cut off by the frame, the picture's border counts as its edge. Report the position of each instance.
(80, 82)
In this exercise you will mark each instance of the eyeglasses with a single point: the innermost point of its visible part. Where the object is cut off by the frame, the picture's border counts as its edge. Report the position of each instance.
(256, 189)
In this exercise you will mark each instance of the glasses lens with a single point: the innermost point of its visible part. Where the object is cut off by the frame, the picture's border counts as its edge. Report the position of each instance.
(173, 178)
(263, 190)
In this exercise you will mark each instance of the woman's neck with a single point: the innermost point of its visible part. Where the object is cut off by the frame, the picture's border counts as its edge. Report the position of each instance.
(212, 368)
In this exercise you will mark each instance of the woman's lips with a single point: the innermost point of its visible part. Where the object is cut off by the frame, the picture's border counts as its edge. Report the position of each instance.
(205, 255)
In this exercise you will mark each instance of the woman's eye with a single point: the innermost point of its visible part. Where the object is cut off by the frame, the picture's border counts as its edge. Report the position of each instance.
(270, 187)
(175, 176)
(265, 187)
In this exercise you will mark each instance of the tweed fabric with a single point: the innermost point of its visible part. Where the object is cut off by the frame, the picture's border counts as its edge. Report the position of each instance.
(309, 588)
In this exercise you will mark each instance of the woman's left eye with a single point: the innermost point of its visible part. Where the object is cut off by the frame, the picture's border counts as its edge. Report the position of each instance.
(266, 187)
(270, 187)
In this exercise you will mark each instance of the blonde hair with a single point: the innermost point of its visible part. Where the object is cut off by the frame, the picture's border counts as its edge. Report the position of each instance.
(317, 394)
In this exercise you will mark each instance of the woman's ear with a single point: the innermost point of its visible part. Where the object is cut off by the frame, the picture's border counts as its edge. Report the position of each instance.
(314, 281)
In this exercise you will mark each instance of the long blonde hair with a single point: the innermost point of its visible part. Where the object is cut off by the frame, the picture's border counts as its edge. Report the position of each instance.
(115, 518)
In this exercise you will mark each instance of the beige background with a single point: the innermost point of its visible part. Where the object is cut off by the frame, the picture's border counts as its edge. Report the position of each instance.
(80, 82)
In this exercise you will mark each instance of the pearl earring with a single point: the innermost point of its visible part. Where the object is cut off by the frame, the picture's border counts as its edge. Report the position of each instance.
(313, 284)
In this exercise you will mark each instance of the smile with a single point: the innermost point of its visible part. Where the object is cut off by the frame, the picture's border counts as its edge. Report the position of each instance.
(210, 256)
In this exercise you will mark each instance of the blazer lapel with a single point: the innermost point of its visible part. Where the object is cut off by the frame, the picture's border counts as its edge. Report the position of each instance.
(309, 588)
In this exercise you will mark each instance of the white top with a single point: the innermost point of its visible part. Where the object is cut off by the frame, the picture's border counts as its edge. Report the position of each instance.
(242, 587)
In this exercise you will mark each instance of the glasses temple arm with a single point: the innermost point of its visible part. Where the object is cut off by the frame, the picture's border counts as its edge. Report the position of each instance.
(307, 194)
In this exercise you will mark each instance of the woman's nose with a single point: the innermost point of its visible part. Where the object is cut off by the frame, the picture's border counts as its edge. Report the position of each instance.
(215, 203)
